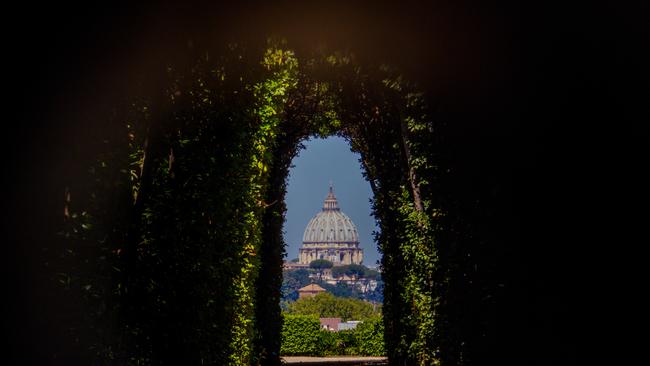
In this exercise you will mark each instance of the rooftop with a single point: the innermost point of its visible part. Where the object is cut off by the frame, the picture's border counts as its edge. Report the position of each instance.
(312, 287)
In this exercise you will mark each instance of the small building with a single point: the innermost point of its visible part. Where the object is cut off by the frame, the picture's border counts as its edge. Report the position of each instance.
(310, 291)
(288, 266)
(350, 324)
(335, 324)
(331, 324)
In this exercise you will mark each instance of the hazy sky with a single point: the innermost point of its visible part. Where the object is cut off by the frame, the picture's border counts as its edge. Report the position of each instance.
(321, 161)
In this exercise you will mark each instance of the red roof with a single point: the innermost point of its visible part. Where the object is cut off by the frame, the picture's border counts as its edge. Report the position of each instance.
(312, 288)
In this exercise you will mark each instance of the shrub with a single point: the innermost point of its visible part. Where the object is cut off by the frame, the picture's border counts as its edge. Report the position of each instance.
(344, 342)
(301, 336)
(327, 305)
(370, 337)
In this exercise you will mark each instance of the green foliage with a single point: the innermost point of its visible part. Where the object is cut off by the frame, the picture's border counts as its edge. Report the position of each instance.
(326, 305)
(343, 342)
(355, 270)
(179, 274)
(370, 337)
(372, 274)
(341, 290)
(292, 281)
(177, 245)
(320, 264)
(301, 335)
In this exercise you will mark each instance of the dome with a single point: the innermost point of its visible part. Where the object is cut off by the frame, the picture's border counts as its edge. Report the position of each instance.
(331, 225)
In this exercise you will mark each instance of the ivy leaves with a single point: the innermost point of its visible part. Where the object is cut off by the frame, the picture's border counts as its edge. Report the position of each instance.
(233, 124)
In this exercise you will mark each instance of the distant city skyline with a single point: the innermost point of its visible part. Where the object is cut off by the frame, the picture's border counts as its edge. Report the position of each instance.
(321, 162)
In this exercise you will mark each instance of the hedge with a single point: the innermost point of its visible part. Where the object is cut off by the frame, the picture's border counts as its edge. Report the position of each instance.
(301, 336)
(179, 248)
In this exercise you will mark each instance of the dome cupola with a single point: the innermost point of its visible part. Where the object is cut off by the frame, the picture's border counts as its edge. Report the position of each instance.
(331, 235)
(330, 201)
(331, 225)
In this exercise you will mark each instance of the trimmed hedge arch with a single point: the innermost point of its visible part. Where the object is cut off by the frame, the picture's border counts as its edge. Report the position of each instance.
(185, 218)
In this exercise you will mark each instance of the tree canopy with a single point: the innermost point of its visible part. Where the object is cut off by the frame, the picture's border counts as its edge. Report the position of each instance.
(320, 264)
(326, 305)
(292, 281)
(355, 270)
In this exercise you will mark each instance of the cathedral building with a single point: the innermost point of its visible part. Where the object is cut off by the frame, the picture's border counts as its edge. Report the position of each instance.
(331, 235)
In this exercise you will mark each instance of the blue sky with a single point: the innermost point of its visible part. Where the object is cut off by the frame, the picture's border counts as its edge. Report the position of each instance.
(321, 161)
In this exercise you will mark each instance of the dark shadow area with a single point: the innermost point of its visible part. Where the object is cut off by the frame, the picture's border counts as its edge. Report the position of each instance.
(542, 110)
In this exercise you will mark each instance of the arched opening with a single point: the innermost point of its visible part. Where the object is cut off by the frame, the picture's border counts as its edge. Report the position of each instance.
(196, 255)
(387, 122)
(522, 91)
(343, 209)
(320, 164)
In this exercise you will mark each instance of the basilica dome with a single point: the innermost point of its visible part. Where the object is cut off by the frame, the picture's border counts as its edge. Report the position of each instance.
(330, 225)
(331, 235)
